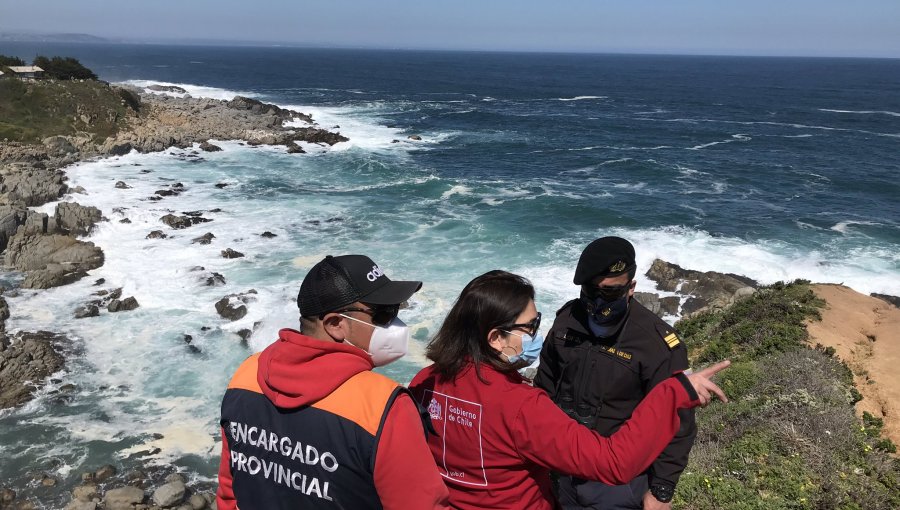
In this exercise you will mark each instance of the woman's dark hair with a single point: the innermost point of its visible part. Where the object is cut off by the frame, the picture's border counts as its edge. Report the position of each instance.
(492, 300)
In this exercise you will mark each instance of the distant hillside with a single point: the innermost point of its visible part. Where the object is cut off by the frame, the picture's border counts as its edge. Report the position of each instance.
(57, 38)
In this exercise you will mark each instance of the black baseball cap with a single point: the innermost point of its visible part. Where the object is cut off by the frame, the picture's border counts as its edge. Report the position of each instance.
(607, 256)
(335, 282)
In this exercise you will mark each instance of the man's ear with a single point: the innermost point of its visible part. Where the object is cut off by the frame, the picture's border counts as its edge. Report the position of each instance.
(333, 325)
(633, 286)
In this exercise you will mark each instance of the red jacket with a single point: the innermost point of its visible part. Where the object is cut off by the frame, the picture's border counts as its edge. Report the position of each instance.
(366, 435)
(498, 440)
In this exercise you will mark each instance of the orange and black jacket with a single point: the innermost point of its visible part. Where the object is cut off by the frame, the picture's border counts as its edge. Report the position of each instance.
(306, 424)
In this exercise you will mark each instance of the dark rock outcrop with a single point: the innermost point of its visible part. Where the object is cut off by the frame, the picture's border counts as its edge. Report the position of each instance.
(77, 219)
(180, 222)
(25, 361)
(208, 147)
(234, 306)
(87, 310)
(204, 239)
(129, 303)
(51, 260)
(894, 300)
(11, 216)
(228, 253)
(156, 234)
(167, 88)
(705, 291)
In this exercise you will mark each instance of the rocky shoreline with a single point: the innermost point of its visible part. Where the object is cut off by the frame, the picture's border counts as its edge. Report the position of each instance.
(47, 250)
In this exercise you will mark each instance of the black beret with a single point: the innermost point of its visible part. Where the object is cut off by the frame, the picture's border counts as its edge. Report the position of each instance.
(607, 256)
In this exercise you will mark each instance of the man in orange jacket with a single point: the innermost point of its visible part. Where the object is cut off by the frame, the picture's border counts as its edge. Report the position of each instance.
(307, 424)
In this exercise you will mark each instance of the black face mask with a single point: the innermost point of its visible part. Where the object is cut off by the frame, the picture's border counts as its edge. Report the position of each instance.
(605, 316)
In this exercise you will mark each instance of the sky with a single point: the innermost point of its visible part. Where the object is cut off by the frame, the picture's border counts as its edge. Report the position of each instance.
(868, 28)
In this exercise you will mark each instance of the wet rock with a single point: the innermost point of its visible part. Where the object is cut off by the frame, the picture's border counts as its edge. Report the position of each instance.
(99, 281)
(104, 473)
(295, 149)
(25, 361)
(156, 234)
(119, 149)
(88, 310)
(7, 496)
(48, 481)
(4, 313)
(85, 492)
(122, 185)
(167, 88)
(208, 147)
(124, 220)
(11, 216)
(169, 494)
(81, 505)
(268, 235)
(204, 239)
(123, 498)
(415, 137)
(234, 306)
(77, 219)
(193, 214)
(197, 502)
(706, 291)
(221, 185)
(176, 222)
(129, 303)
(228, 253)
(166, 192)
(214, 279)
(51, 260)
(175, 477)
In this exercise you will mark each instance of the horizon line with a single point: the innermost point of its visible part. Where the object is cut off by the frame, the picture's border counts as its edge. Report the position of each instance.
(222, 43)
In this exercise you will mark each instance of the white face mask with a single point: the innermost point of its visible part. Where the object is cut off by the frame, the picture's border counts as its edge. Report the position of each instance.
(388, 344)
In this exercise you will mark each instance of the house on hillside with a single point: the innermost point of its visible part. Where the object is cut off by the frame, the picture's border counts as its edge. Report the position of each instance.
(27, 72)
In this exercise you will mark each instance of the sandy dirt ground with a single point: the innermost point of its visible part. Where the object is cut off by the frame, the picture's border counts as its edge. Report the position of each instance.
(865, 332)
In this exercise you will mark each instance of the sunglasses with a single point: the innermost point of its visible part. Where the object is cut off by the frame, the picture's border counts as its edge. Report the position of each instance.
(381, 315)
(611, 293)
(530, 327)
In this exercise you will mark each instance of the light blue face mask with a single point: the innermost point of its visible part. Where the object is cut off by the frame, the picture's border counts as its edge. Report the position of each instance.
(531, 347)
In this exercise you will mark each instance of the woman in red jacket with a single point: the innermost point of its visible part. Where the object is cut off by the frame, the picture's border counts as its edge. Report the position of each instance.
(497, 436)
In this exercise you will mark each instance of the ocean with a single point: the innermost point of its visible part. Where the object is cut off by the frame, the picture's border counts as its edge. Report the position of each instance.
(774, 168)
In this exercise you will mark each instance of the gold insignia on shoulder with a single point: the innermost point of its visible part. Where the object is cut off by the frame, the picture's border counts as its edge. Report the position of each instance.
(672, 340)
(618, 266)
(605, 312)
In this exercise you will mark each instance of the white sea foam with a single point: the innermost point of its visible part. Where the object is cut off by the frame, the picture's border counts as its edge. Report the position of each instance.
(458, 189)
(862, 112)
(193, 90)
(844, 226)
(579, 98)
(734, 138)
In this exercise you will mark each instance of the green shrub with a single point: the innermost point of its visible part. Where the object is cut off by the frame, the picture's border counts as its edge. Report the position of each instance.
(64, 68)
(6, 61)
(789, 438)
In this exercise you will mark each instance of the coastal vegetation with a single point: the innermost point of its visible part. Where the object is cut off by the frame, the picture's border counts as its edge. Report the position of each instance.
(64, 68)
(33, 110)
(789, 439)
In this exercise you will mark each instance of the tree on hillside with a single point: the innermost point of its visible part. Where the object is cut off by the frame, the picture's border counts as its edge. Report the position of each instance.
(10, 61)
(64, 68)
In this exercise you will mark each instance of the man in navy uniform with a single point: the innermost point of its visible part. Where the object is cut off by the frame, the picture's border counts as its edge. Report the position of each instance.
(604, 353)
